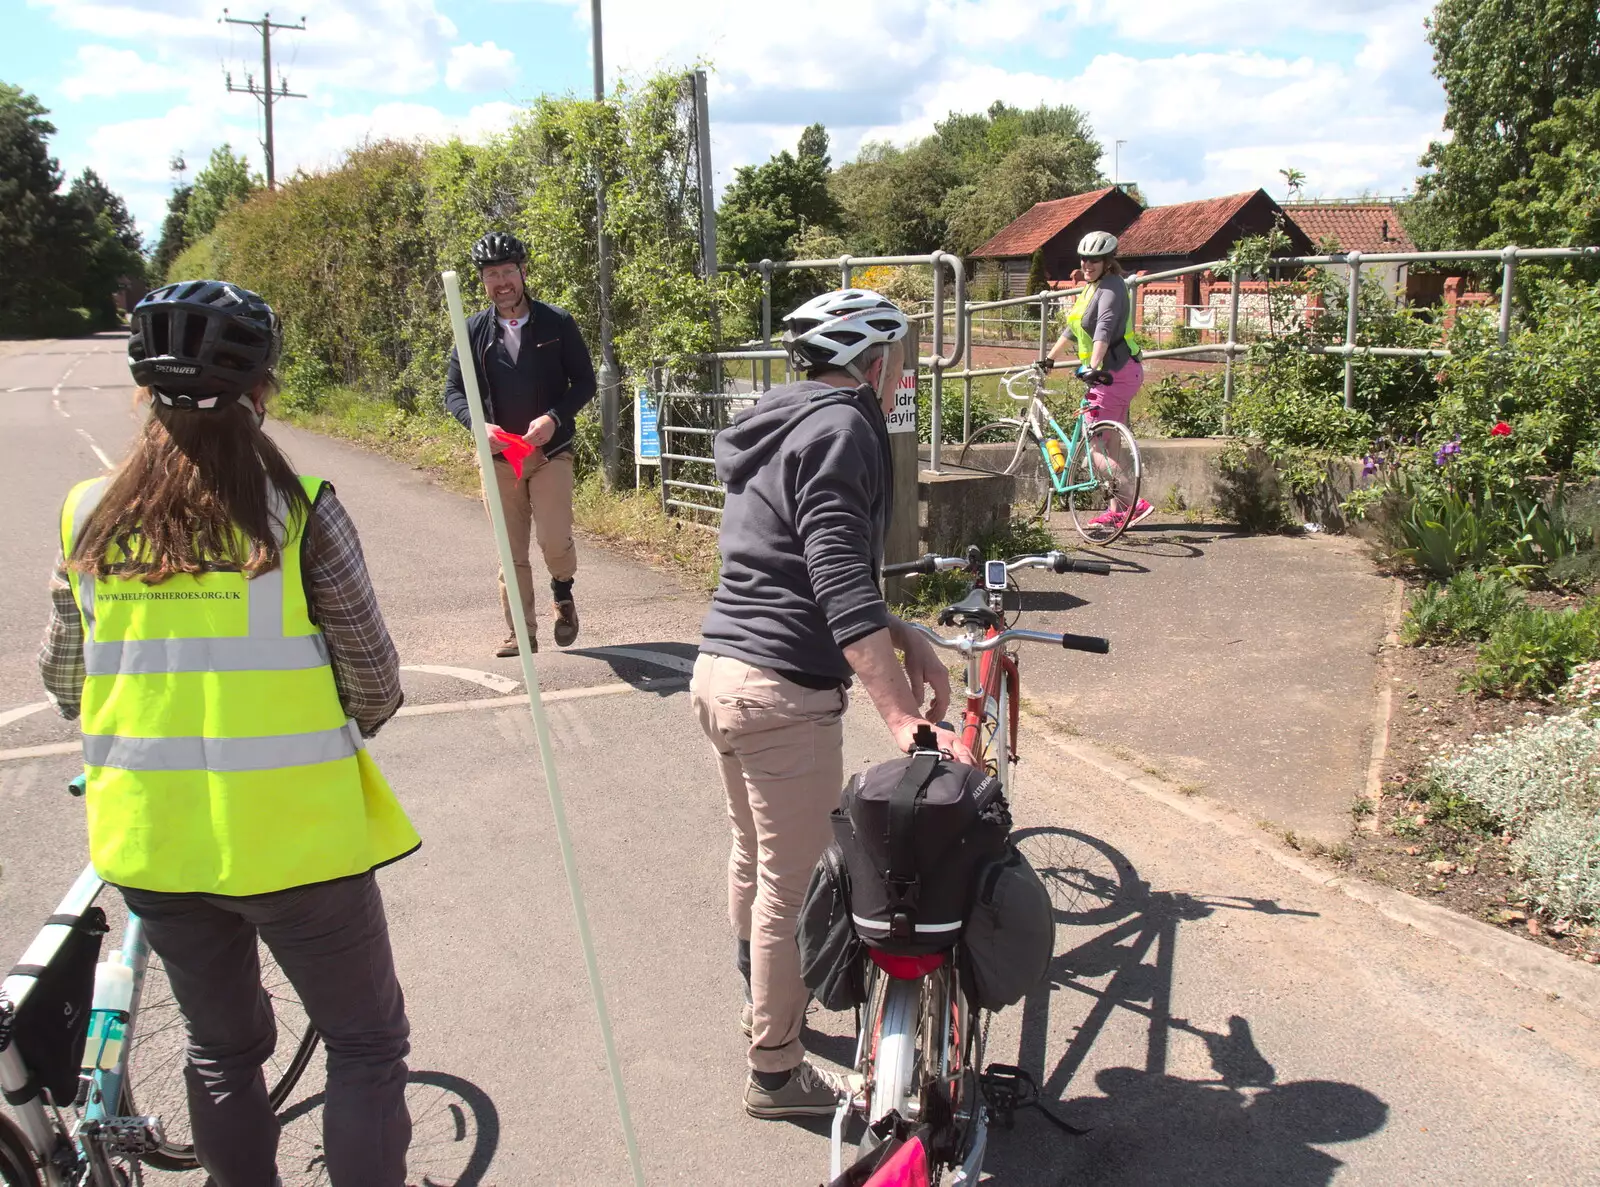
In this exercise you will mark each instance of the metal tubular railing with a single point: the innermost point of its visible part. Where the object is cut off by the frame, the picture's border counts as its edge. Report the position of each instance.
(941, 364)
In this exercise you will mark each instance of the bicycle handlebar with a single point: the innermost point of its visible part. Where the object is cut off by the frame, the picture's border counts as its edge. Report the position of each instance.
(967, 646)
(1059, 562)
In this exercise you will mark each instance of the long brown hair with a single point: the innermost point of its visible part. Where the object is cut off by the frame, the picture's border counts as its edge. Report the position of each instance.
(192, 497)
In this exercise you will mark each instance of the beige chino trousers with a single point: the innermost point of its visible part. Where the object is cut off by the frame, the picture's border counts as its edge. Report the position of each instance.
(781, 751)
(541, 502)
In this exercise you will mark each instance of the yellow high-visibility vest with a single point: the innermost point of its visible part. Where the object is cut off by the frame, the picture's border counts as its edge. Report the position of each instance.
(217, 754)
(1086, 337)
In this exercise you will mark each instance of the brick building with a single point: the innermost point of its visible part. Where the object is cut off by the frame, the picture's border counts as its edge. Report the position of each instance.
(1370, 227)
(1054, 228)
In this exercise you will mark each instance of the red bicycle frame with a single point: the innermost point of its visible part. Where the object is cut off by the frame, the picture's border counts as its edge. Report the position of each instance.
(993, 667)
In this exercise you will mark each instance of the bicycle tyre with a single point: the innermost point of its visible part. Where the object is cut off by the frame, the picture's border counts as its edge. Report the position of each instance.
(895, 1056)
(1096, 490)
(153, 1054)
(994, 461)
(18, 1167)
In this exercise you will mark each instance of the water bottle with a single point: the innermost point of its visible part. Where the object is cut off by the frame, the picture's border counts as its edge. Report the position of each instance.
(1058, 456)
(108, 1015)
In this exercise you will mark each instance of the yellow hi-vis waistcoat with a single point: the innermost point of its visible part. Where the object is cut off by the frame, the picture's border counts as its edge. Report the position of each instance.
(219, 759)
(1086, 337)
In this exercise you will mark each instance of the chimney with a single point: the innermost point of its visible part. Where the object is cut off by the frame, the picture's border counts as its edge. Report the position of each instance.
(1386, 230)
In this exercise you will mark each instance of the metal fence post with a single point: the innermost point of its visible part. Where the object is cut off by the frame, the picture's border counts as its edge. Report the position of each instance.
(1510, 257)
(1233, 338)
(1353, 301)
(846, 273)
(766, 323)
(936, 387)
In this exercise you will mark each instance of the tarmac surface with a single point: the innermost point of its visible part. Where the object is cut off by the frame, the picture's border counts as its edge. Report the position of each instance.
(1211, 1017)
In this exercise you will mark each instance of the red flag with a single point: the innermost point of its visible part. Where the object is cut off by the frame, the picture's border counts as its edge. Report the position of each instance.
(517, 450)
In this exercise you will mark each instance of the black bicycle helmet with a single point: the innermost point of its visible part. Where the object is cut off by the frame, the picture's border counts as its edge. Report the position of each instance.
(198, 342)
(498, 247)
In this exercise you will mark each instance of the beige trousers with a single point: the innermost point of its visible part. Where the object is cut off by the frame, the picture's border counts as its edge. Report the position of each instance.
(541, 502)
(781, 750)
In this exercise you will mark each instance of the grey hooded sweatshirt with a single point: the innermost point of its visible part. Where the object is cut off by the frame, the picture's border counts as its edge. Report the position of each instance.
(807, 511)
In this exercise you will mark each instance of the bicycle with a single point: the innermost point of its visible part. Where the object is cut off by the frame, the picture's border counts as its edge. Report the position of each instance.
(1094, 468)
(919, 1045)
(100, 1137)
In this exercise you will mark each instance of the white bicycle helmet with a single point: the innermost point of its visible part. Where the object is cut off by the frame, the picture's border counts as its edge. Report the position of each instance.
(834, 329)
(1097, 245)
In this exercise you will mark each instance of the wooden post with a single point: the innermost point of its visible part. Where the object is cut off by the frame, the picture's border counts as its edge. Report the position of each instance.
(904, 542)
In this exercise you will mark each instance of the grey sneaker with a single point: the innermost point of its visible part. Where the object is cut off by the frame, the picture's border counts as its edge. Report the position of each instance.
(808, 1092)
(566, 623)
(747, 1019)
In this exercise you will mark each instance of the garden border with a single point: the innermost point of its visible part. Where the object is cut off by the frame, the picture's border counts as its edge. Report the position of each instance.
(1528, 965)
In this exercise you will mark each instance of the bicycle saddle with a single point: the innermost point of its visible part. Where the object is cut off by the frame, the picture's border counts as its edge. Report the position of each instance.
(974, 608)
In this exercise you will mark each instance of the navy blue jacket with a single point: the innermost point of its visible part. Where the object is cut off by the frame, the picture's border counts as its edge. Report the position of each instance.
(553, 375)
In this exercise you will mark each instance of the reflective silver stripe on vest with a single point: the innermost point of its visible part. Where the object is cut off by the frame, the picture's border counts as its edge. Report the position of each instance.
(221, 754)
(265, 648)
(145, 657)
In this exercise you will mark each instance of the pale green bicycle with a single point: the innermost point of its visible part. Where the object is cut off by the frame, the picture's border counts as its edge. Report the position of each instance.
(1094, 468)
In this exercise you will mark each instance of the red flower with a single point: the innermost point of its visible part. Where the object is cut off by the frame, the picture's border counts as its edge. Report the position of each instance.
(1501, 429)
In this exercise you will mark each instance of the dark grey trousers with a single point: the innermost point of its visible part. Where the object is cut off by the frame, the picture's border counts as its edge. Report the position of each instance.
(332, 941)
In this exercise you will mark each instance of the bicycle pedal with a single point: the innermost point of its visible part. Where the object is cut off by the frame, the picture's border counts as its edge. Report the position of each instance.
(131, 1135)
(1007, 1088)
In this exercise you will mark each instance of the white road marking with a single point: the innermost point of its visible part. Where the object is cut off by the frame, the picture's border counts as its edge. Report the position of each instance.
(488, 680)
(10, 715)
(57, 402)
(664, 659)
(564, 694)
(98, 452)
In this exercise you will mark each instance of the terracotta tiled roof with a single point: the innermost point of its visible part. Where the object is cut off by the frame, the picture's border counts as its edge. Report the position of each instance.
(1179, 230)
(1354, 227)
(1042, 223)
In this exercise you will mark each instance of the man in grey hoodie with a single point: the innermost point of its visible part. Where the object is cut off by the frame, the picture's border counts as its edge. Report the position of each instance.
(797, 613)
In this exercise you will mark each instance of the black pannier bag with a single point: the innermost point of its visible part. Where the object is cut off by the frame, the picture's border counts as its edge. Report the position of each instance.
(914, 832)
(1010, 937)
(50, 1026)
(831, 954)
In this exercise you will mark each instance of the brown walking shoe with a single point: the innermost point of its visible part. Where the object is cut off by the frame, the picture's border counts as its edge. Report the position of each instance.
(509, 648)
(566, 623)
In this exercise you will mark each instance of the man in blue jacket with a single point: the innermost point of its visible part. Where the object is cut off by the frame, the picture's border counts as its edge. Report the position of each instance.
(535, 374)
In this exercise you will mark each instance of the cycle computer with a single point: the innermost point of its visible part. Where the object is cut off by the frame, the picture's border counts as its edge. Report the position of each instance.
(994, 574)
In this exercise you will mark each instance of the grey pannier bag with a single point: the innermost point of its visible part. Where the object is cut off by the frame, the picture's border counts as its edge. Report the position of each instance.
(1009, 938)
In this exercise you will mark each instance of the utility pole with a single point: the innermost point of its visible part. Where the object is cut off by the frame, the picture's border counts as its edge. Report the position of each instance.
(265, 93)
(610, 403)
(1116, 163)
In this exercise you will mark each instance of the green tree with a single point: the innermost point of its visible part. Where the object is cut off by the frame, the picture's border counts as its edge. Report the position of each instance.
(1035, 169)
(893, 198)
(1505, 65)
(1038, 280)
(43, 236)
(768, 205)
(114, 255)
(173, 240)
(225, 182)
(1557, 204)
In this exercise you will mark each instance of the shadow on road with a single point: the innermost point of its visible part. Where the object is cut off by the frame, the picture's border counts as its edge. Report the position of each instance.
(455, 1131)
(1146, 1126)
(661, 668)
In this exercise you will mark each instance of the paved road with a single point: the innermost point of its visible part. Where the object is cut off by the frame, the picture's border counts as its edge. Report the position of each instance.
(1212, 1017)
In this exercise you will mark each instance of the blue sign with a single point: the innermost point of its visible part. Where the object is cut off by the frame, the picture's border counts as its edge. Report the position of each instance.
(646, 429)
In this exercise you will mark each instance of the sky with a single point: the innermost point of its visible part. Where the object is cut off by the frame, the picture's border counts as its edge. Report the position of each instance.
(1207, 99)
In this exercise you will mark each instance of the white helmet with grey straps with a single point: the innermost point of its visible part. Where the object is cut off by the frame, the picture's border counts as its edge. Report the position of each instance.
(1097, 245)
(835, 329)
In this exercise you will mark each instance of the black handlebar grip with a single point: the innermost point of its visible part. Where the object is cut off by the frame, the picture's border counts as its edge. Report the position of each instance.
(1067, 564)
(1090, 643)
(923, 564)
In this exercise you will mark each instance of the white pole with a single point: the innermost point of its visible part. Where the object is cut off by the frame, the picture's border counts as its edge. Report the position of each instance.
(541, 726)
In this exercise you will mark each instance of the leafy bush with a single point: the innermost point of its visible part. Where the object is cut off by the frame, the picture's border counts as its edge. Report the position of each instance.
(1531, 651)
(1248, 492)
(1467, 608)
(1582, 688)
(1559, 856)
(1187, 405)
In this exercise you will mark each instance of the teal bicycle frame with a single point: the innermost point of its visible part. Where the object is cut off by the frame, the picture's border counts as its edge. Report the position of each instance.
(1071, 443)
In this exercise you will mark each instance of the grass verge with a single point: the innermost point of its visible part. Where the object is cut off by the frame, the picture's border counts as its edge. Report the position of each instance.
(630, 521)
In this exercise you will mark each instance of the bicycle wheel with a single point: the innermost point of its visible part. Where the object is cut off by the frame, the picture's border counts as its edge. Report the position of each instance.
(159, 1050)
(1103, 478)
(1089, 881)
(17, 1165)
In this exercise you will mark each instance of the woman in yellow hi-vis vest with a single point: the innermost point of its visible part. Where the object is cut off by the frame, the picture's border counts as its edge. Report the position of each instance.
(1099, 324)
(216, 632)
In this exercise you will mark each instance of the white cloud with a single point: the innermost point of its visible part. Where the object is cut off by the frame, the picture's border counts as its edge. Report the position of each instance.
(102, 71)
(484, 67)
